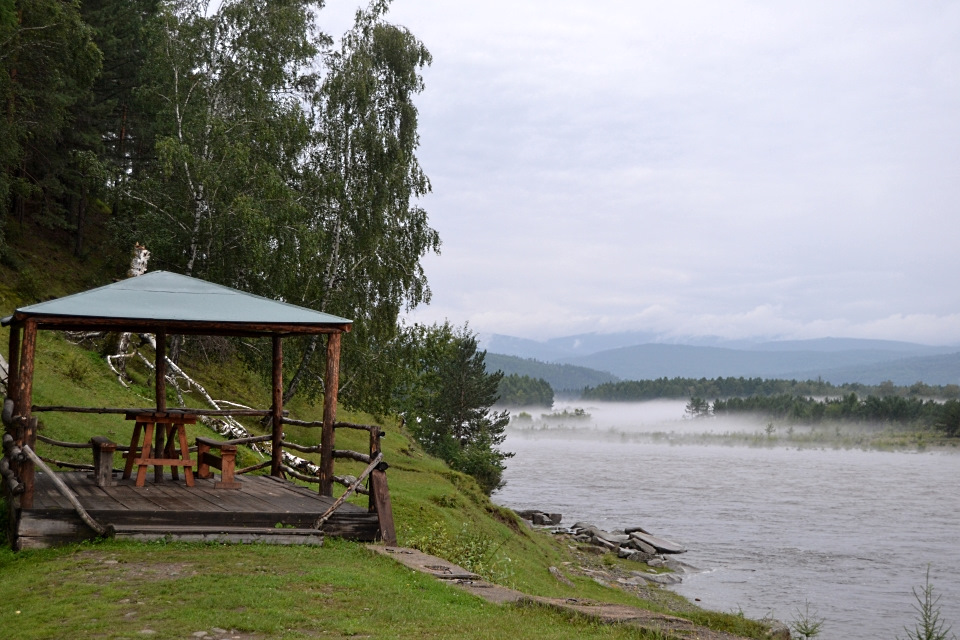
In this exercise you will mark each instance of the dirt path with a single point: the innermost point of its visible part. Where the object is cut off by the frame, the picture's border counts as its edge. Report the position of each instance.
(603, 612)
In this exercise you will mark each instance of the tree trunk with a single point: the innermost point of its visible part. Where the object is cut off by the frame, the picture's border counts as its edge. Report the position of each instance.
(301, 369)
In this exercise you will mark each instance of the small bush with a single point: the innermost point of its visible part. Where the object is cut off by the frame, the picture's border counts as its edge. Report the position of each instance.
(470, 550)
(807, 624)
(929, 625)
(448, 501)
(29, 287)
(77, 369)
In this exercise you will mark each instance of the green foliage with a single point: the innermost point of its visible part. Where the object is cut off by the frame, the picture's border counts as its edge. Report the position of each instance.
(224, 80)
(634, 390)
(29, 286)
(949, 419)
(807, 624)
(471, 550)
(447, 401)
(363, 233)
(697, 407)
(928, 626)
(578, 414)
(77, 369)
(235, 142)
(524, 391)
(49, 64)
(850, 408)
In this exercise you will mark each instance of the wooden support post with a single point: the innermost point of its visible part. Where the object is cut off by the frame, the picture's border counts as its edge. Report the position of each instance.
(276, 416)
(163, 438)
(380, 495)
(13, 365)
(24, 398)
(145, 452)
(103, 452)
(331, 382)
(159, 441)
(161, 366)
(374, 451)
(28, 470)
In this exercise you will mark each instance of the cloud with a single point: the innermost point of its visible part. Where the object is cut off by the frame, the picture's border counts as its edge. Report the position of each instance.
(733, 168)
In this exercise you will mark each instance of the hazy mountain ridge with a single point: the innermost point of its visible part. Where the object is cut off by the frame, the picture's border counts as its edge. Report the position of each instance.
(940, 369)
(560, 376)
(837, 360)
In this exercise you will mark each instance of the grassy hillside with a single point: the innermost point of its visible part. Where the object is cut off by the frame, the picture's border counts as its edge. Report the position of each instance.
(112, 589)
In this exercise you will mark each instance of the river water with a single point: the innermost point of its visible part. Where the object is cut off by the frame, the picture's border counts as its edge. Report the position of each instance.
(769, 528)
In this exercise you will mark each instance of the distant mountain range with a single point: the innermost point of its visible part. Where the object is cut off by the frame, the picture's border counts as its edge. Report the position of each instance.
(836, 360)
(562, 377)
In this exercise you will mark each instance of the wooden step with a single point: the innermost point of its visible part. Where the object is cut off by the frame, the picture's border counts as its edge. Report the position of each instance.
(242, 535)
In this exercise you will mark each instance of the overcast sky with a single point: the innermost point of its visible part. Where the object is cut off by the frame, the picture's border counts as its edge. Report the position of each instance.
(738, 169)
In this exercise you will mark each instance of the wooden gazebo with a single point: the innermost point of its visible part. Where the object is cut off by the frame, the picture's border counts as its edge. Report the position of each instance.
(165, 304)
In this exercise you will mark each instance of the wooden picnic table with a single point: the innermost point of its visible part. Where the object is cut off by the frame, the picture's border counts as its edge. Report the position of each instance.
(161, 431)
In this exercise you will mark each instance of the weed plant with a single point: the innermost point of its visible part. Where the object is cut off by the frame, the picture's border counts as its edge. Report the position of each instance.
(468, 549)
(807, 624)
(929, 625)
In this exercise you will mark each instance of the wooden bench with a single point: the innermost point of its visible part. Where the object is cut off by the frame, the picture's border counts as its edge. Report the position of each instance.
(225, 462)
(103, 450)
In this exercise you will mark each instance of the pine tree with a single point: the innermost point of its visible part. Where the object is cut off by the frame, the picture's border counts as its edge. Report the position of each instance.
(49, 64)
(450, 404)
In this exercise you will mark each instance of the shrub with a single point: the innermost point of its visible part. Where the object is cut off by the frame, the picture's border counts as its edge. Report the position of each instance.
(470, 550)
(929, 625)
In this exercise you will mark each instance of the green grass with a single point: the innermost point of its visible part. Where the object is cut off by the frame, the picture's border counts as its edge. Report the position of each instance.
(117, 590)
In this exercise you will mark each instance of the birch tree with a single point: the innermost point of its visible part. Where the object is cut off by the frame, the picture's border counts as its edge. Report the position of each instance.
(362, 185)
(288, 168)
(227, 81)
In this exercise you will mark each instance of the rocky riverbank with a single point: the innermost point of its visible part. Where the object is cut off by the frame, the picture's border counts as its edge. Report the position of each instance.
(631, 543)
(656, 558)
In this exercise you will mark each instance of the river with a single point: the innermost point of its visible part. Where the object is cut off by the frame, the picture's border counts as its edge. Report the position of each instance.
(768, 528)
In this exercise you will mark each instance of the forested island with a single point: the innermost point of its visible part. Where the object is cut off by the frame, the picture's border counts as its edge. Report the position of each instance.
(732, 387)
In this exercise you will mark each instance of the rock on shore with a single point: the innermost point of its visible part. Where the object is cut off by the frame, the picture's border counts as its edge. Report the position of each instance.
(632, 543)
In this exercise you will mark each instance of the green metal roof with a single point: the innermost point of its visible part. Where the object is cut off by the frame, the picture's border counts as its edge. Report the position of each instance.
(162, 298)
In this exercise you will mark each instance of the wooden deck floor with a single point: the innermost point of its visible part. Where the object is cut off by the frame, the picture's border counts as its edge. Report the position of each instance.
(171, 509)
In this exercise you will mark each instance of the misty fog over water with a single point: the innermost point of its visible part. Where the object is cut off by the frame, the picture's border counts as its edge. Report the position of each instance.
(768, 527)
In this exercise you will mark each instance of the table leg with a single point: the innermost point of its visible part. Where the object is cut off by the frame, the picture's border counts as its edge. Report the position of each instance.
(145, 453)
(159, 447)
(134, 446)
(185, 454)
(170, 450)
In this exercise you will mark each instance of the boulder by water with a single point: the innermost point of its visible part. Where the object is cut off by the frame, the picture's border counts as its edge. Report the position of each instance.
(635, 543)
(540, 518)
